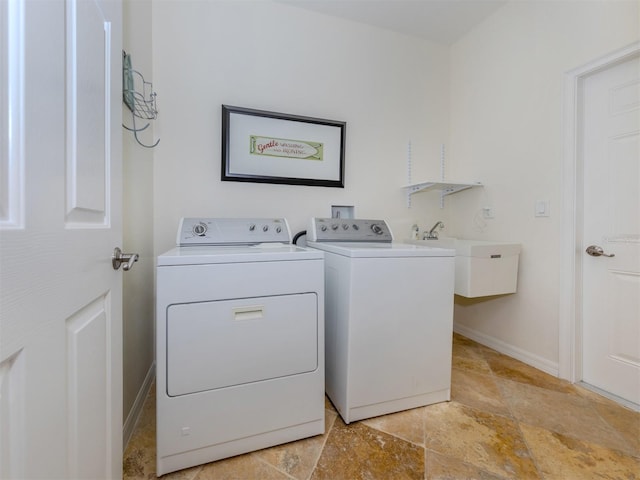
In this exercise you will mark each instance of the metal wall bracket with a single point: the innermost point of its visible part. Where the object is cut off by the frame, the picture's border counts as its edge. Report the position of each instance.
(139, 97)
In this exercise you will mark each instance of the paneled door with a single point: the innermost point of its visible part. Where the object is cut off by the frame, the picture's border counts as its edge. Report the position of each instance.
(610, 118)
(60, 219)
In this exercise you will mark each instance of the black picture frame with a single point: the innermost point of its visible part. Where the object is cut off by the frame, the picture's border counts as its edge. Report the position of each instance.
(270, 147)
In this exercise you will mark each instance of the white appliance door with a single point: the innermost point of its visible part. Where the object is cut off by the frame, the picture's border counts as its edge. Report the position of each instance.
(223, 343)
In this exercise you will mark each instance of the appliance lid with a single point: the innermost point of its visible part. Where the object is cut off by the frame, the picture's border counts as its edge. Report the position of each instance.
(380, 250)
(203, 255)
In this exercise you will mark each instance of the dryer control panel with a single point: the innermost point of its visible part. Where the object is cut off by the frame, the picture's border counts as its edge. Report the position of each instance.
(348, 230)
(232, 231)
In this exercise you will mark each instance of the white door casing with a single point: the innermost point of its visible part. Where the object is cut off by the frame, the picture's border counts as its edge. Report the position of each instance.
(573, 256)
(610, 134)
(60, 299)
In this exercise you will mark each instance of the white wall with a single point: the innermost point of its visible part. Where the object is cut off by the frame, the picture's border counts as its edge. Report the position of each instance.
(506, 131)
(389, 89)
(138, 288)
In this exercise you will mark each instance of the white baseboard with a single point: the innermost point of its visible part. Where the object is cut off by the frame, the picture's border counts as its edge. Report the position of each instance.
(136, 409)
(547, 366)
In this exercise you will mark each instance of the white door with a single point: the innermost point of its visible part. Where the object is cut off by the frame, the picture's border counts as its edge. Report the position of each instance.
(60, 219)
(611, 284)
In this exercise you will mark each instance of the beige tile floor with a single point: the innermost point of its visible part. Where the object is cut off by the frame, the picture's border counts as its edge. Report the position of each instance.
(506, 420)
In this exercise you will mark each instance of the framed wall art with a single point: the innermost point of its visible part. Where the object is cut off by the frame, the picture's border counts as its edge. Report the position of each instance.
(270, 147)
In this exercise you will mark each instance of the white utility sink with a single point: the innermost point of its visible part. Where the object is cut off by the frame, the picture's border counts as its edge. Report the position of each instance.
(483, 267)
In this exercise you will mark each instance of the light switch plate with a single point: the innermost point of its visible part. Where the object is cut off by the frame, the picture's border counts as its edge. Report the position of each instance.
(542, 208)
(488, 212)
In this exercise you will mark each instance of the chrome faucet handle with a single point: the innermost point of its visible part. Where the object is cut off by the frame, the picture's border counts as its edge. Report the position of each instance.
(433, 234)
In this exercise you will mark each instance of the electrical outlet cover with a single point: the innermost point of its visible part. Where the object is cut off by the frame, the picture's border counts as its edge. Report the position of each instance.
(342, 211)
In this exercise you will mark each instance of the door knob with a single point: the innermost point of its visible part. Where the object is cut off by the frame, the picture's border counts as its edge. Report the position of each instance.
(596, 251)
(118, 258)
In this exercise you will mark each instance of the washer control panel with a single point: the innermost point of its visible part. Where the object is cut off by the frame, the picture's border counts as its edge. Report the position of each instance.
(232, 231)
(348, 230)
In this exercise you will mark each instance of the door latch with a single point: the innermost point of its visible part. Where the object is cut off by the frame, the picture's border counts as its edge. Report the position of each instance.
(597, 251)
(118, 258)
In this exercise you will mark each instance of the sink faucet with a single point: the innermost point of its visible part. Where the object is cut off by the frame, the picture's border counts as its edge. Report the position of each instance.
(433, 234)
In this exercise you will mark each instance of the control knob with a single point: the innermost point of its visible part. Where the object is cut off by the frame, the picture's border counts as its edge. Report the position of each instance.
(377, 229)
(200, 229)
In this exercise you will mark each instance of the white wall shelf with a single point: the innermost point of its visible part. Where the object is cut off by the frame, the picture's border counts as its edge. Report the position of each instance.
(447, 188)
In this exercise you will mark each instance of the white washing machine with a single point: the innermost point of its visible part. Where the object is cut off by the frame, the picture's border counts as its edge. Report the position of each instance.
(388, 318)
(240, 341)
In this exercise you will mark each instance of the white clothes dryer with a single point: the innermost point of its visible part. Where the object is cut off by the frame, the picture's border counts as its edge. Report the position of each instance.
(240, 341)
(388, 318)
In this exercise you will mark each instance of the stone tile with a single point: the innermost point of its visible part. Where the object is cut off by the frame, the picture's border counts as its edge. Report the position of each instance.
(570, 432)
(591, 395)
(511, 369)
(625, 421)
(139, 459)
(441, 467)
(242, 467)
(477, 391)
(568, 414)
(357, 451)
(407, 425)
(328, 405)
(138, 463)
(562, 457)
(185, 474)
(470, 362)
(489, 442)
(467, 355)
(462, 341)
(298, 459)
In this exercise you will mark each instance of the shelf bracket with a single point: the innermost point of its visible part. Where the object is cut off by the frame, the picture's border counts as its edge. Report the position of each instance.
(446, 188)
